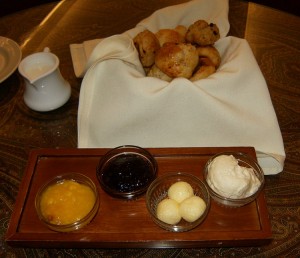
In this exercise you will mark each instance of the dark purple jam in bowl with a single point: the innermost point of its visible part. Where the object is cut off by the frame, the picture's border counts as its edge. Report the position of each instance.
(126, 171)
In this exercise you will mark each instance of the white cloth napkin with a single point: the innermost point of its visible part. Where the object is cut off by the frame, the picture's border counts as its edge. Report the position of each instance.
(119, 105)
(80, 54)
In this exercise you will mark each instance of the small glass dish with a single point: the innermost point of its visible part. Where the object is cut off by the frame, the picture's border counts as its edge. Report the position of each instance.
(244, 160)
(126, 171)
(158, 191)
(72, 190)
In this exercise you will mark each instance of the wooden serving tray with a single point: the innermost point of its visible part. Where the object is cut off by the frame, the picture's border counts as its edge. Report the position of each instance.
(127, 224)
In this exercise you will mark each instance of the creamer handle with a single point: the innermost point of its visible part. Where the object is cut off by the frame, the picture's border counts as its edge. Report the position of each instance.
(47, 50)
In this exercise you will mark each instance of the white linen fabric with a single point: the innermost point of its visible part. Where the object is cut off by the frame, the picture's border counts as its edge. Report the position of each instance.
(80, 53)
(119, 105)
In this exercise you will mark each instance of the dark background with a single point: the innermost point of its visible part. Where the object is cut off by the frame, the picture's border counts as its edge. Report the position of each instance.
(9, 6)
(290, 6)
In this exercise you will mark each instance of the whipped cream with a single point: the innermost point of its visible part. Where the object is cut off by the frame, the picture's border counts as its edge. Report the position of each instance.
(227, 178)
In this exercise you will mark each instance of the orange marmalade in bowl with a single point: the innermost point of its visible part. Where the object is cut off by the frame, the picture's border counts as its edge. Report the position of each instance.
(67, 202)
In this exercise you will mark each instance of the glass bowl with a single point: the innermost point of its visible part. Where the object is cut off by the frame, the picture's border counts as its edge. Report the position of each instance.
(244, 160)
(158, 191)
(126, 171)
(67, 202)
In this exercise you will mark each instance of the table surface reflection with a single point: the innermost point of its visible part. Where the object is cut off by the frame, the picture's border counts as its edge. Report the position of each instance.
(274, 37)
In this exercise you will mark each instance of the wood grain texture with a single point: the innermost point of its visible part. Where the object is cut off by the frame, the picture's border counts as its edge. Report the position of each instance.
(122, 223)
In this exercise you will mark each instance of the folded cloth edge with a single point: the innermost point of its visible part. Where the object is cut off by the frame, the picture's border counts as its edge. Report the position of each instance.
(80, 54)
(270, 163)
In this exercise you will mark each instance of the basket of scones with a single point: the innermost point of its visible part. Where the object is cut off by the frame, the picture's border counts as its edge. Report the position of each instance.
(186, 52)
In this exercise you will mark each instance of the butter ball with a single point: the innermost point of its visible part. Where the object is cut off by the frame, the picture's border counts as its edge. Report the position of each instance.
(168, 211)
(180, 191)
(192, 208)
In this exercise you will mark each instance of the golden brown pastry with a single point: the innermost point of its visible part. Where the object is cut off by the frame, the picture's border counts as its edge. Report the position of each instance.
(202, 33)
(206, 68)
(157, 73)
(169, 36)
(210, 52)
(147, 45)
(177, 60)
(179, 52)
(181, 30)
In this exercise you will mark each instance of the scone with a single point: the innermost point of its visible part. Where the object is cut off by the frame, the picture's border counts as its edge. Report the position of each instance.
(205, 69)
(169, 36)
(177, 60)
(202, 33)
(210, 52)
(181, 30)
(147, 45)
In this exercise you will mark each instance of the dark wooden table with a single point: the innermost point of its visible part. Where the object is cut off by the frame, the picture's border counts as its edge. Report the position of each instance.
(274, 37)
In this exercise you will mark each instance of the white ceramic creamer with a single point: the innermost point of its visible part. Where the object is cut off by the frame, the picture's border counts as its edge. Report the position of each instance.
(45, 88)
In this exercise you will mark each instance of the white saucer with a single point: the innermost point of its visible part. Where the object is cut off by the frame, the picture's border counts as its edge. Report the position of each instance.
(10, 57)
